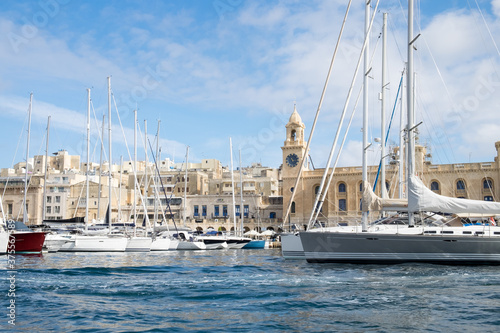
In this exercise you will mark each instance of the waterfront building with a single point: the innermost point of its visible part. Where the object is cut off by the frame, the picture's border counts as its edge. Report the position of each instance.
(480, 181)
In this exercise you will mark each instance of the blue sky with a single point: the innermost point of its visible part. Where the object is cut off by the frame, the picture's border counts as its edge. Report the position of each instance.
(210, 70)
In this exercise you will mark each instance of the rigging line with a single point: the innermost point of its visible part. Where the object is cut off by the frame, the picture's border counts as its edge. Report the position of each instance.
(306, 150)
(388, 131)
(162, 187)
(129, 155)
(324, 190)
(489, 32)
(487, 27)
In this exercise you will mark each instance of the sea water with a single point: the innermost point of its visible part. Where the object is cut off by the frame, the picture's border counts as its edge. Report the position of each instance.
(242, 291)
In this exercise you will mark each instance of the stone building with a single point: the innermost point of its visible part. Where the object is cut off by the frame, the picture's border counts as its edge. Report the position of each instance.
(480, 181)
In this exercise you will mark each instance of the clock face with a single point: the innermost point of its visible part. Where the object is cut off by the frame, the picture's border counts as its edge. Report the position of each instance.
(292, 160)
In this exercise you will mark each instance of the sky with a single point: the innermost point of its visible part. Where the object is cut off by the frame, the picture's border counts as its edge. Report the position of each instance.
(209, 70)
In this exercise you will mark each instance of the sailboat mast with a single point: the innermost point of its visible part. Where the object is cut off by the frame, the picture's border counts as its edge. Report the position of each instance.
(185, 188)
(25, 211)
(146, 182)
(366, 64)
(110, 153)
(410, 118)
(232, 184)
(401, 148)
(383, 189)
(156, 192)
(88, 161)
(46, 170)
(242, 211)
(135, 173)
(100, 169)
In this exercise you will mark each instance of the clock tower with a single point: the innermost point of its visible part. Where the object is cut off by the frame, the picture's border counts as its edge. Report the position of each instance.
(294, 146)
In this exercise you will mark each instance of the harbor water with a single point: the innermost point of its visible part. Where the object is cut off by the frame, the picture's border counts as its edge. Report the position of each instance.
(242, 291)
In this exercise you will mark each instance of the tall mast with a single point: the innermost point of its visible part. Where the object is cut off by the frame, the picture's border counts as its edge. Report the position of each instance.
(366, 64)
(185, 188)
(232, 184)
(110, 153)
(88, 161)
(410, 121)
(401, 147)
(25, 211)
(120, 190)
(135, 172)
(156, 193)
(100, 170)
(146, 183)
(242, 211)
(46, 170)
(383, 189)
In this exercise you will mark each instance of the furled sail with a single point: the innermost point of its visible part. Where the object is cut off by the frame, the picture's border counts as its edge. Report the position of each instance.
(420, 198)
(372, 202)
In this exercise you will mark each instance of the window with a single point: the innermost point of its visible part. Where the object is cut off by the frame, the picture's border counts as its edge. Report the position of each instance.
(488, 198)
(342, 205)
(316, 190)
(58, 199)
(342, 188)
(272, 215)
(9, 209)
(216, 210)
(237, 210)
(293, 135)
(387, 186)
(57, 209)
(49, 199)
(224, 210)
(245, 210)
(48, 210)
(487, 184)
(434, 186)
(204, 210)
(293, 208)
(460, 185)
(361, 187)
(196, 213)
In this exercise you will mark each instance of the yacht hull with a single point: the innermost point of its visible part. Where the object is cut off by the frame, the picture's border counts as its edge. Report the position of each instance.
(28, 242)
(369, 248)
(138, 244)
(95, 244)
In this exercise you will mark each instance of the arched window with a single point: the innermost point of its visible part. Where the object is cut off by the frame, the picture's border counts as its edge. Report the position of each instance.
(342, 188)
(293, 207)
(293, 135)
(387, 186)
(361, 187)
(316, 190)
(434, 186)
(460, 185)
(487, 184)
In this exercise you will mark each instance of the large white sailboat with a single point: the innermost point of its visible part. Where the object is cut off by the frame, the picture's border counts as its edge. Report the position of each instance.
(102, 243)
(417, 234)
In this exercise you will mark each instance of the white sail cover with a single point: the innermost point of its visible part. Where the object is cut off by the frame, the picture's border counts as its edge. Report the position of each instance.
(372, 202)
(420, 198)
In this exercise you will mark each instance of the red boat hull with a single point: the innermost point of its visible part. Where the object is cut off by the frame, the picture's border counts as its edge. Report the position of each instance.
(28, 242)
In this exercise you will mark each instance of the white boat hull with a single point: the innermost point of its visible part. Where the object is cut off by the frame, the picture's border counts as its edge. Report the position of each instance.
(187, 245)
(160, 244)
(4, 241)
(95, 244)
(138, 244)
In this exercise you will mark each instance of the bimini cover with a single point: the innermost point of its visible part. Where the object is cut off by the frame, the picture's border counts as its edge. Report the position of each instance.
(420, 198)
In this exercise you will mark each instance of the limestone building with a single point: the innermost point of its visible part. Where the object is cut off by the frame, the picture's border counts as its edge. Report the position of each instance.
(480, 181)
